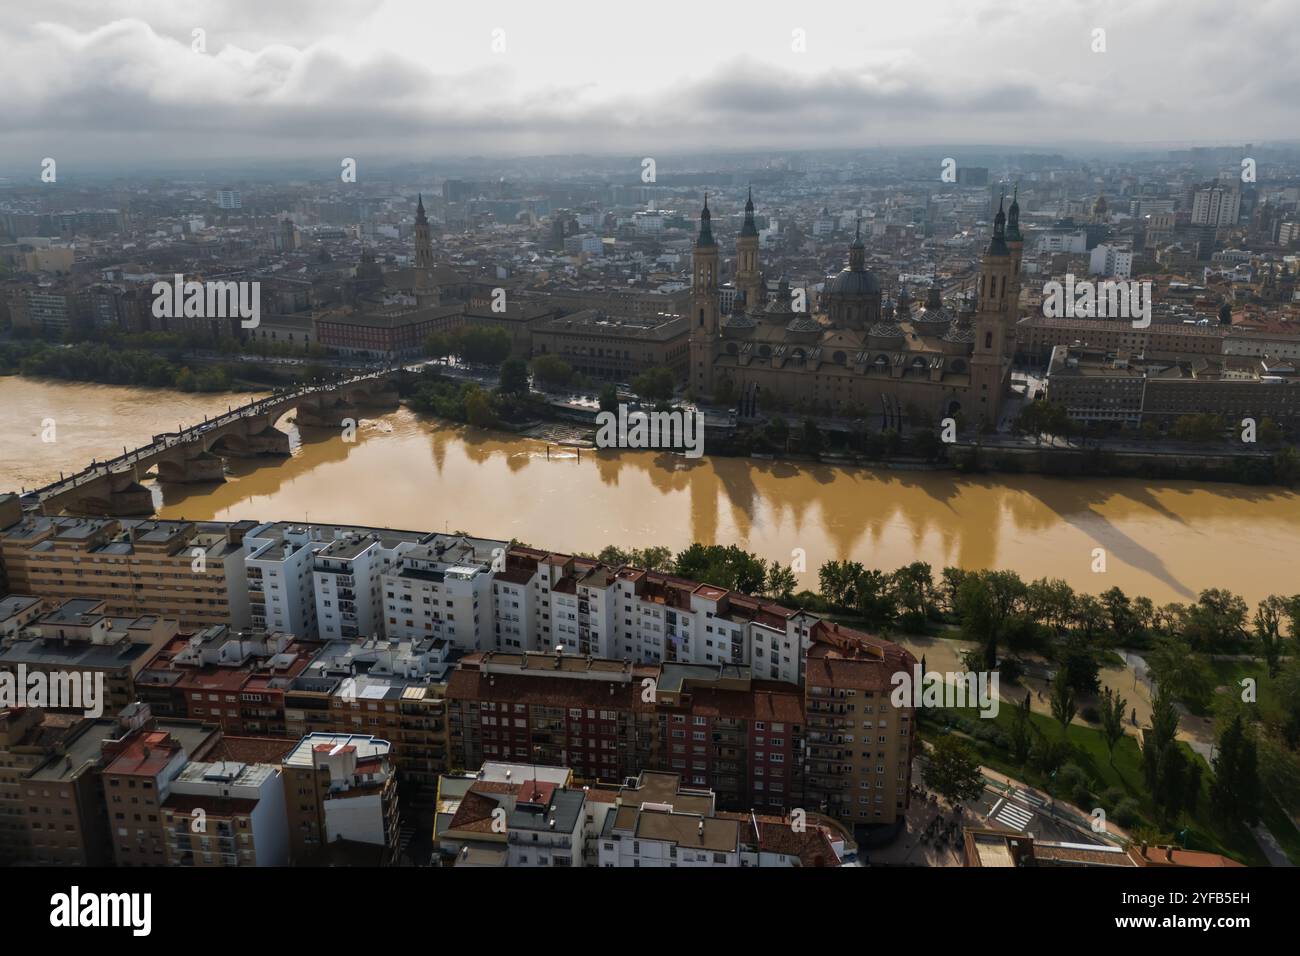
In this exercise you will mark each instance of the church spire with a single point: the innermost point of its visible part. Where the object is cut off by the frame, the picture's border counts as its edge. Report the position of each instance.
(749, 228)
(998, 244)
(706, 227)
(1013, 217)
(857, 251)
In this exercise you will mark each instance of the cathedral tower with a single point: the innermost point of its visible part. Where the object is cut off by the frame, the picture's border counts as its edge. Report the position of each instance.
(994, 326)
(423, 246)
(1016, 246)
(703, 308)
(749, 282)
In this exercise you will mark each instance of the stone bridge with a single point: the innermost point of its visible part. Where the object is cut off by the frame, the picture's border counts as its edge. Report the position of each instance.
(198, 454)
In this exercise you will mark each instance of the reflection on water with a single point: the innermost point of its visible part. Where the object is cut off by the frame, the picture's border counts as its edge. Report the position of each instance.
(1167, 541)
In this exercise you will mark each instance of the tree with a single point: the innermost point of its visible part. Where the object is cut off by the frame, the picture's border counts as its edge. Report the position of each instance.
(913, 585)
(1164, 764)
(1022, 731)
(950, 579)
(780, 582)
(1112, 719)
(838, 581)
(609, 399)
(1064, 706)
(478, 407)
(986, 604)
(552, 370)
(875, 599)
(614, 556)
(1268, 629)
(1216, 621)
(514, 377)
(656, 384)
(654, 558)
(728, 567)
(953, 771)
(1177, 670)
(1235, 793)
(438, 345)
(810, 439)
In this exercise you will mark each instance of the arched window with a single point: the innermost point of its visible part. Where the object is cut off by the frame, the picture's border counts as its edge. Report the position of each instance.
(839, 358)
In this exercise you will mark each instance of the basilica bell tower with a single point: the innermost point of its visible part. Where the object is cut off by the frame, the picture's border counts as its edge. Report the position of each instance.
(703, 308)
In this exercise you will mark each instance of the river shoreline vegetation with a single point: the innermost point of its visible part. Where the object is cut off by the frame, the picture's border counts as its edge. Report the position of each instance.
(150, 360)
(1214, 657)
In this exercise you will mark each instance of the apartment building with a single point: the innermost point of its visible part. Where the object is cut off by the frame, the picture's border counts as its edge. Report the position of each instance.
(226, 813)
(591, 714)
(52, 809)
(388, 688)
(77, 642)
(16, 612)
(278, 564)
(656, 822)
(348, 578)
(192, 573)
(609, 719)
(859, 746)
(340, 787)
(545, 600)
(235, 679)
(139, 769)
(442, 589)
(512, 814)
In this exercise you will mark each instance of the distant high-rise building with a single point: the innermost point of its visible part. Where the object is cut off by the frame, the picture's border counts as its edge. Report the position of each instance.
(1215, 206)
(972, 176)
(229, 198)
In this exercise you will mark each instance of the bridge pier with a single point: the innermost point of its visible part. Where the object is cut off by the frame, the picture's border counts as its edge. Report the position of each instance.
(203, 468)
(111, 496)
(327, 416)
(269, 441)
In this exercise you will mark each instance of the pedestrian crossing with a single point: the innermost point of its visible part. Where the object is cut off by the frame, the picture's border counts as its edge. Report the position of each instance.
(1013, 815)
(1030, 798)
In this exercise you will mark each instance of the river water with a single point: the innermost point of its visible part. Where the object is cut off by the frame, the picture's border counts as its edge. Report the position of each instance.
(1167, 540)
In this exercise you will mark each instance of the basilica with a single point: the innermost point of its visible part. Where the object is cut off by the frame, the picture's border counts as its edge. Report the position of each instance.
(856, 353)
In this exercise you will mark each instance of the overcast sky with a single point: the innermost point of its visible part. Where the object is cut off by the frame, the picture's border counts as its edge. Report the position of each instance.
(116, 81)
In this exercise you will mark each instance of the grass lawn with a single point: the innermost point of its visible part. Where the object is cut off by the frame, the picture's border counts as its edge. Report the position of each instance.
(1232, 672)
(1124, 772)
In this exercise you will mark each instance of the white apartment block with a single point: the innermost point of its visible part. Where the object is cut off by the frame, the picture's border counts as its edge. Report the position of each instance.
(544, 601)
(281, 592)
(266, 841)
(1114, 261)
(442, 588)
(1216, 206)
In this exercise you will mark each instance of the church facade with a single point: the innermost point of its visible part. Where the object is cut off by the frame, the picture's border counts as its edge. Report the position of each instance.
(855, 353)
